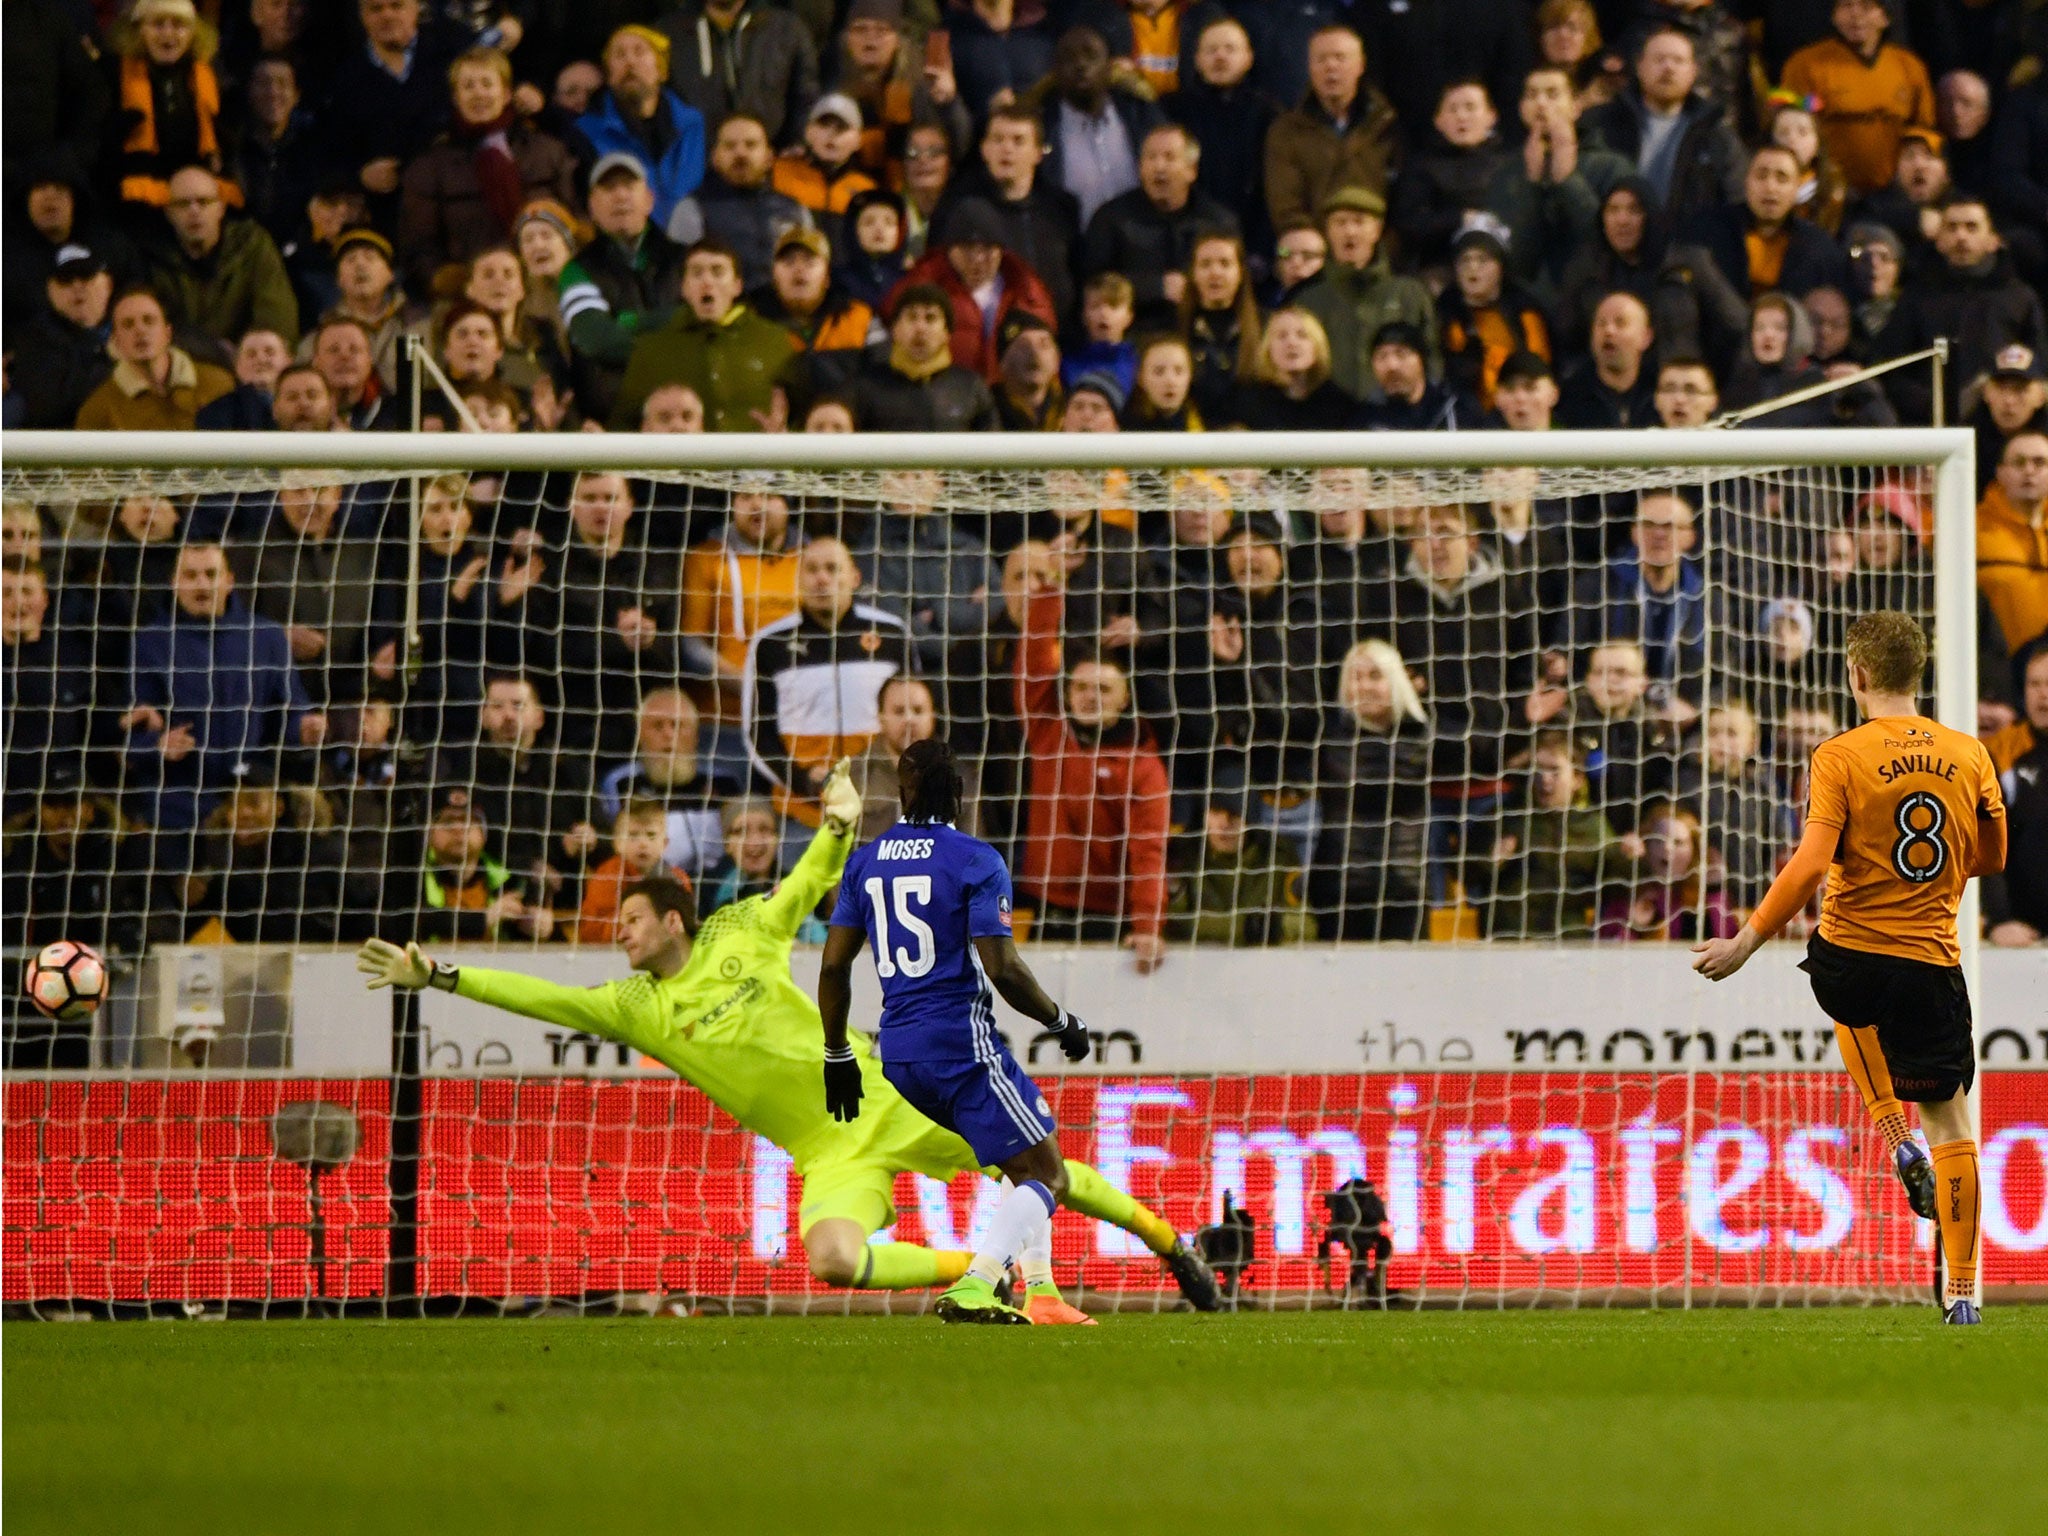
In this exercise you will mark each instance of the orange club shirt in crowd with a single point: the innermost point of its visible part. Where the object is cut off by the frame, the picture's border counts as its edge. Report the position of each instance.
(1907, 794)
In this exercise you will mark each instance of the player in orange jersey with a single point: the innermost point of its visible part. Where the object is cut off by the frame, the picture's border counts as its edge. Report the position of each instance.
(1901, 813)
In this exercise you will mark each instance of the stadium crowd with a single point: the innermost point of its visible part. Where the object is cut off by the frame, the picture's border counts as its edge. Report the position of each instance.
(1193, 713)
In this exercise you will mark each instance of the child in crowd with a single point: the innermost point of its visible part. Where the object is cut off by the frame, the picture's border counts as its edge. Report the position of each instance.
(1487, 317)
(639, 849)
(1557, 855)
(752, 862)
(1108, 310)
(1675, 896)
(1160, 401)
(875, 259)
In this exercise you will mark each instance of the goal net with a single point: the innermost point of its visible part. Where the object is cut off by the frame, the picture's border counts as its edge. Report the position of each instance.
(1361, 791)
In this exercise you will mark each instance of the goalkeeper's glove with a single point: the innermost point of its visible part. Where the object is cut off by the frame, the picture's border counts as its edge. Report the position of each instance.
(384, 964)
(842, 1083)
(841, 802)
(1073, 1035)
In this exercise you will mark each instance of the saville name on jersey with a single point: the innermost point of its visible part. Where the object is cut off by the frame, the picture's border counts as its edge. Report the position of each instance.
(1916, 762)
(904, 848)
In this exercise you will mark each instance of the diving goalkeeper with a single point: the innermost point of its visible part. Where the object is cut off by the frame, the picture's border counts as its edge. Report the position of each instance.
(717, 1005)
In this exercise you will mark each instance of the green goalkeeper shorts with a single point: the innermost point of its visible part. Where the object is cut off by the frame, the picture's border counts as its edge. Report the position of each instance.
(856, 1179)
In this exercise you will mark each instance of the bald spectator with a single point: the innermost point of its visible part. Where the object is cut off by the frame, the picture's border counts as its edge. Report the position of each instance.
(214, 695)
(814, 679)
(1149, 233)
(746, 56)
(1097, 817)
(154, 386)
(639, 115)
(219, 276)
(1962, 99)
(1614, 387)
(668, 769)
(1341, 135)
(1093, 125)
(1870, 90)
(672, 408)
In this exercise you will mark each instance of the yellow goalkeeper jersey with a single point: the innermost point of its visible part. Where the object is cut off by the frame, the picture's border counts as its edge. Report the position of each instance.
(732, 1021)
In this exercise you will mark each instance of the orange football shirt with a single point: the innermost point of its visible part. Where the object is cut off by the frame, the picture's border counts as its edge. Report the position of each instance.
(1906, 794)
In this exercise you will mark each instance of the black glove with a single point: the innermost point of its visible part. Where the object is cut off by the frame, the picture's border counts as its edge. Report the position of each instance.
(842, 1083)
(1073, 1036)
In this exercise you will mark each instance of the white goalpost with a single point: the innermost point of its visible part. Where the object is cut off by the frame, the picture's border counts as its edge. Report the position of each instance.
(1421, 755)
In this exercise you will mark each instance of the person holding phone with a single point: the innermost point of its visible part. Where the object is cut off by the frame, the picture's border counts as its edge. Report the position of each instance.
(895, 83)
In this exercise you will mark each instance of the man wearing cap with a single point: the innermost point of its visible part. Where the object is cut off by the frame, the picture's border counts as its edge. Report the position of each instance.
(917, 387)
(826, 174)
(638, 115)
(621, 285)
(1402, 397)
(61, 354)
(983, 282)
(1149, 233)
(732, 357)
(830, 324)
(219, 276)
(1341, 135)
(1870, 91)
(736, 203)
(1973, 297)
(748, 56)
(2012, 399)
(1357, 293)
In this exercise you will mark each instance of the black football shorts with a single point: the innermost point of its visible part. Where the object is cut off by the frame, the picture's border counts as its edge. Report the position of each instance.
(1921, 1013)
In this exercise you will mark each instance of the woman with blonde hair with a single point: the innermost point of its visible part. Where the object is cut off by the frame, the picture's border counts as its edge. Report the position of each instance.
(1289, 388)
(1219, 316)
(1373, 791)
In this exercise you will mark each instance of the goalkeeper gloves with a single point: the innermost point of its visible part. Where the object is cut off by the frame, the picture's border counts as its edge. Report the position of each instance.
(1073, 1036)
(384, 964)
(842, 1083)
(840, 801)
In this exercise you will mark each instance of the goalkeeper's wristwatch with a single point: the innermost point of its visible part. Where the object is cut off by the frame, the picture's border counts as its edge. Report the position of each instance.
(442, 976)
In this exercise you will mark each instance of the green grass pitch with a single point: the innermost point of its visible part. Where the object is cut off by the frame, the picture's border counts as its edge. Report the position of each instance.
(1556, 1422)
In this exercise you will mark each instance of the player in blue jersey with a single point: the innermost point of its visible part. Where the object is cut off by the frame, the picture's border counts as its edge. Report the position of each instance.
(935, 903)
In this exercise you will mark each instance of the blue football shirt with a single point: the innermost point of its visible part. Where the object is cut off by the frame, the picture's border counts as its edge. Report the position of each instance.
(922, 894)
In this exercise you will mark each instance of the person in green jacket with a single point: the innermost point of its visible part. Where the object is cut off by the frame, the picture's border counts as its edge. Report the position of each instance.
(1559, 854)
(716, 1003)
(1356, 292)
(732, 357)
(1236, 890)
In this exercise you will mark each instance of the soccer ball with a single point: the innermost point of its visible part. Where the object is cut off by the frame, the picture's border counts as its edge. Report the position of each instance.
(66, 981)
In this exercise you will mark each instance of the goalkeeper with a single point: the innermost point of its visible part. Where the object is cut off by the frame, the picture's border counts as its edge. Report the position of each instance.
(717, 1005)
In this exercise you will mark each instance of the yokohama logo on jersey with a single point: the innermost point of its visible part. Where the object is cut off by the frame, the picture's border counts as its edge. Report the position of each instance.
(560, 1186)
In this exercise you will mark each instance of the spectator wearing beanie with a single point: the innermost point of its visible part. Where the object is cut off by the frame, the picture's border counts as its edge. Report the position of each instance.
(638, 115)
(1404, 399)
(1487, 316)
(984, 284)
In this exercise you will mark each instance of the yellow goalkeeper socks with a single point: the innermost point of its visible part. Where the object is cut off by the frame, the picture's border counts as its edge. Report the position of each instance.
(907, 1267)
(1864, 1058)
(1092, 1195)
(1957, 1209)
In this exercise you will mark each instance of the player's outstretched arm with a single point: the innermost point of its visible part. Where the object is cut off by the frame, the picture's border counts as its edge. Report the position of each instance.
(1718, 959)
(1010, 976)
(594, 1010)
(835, 1001)
(825, 860)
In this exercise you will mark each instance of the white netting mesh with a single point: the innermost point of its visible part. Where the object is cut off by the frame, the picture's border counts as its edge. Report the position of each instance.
(1234, 708)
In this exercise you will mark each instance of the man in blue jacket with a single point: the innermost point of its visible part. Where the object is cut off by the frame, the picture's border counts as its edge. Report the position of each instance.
(638, 115)
(214, 694)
